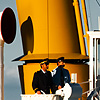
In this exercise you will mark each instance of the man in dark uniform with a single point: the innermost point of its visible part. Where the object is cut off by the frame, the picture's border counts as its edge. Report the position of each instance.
(42, 80)
(60, 75)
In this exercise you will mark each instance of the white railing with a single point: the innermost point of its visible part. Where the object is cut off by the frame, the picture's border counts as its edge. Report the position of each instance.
(40, 97)
(71, 91)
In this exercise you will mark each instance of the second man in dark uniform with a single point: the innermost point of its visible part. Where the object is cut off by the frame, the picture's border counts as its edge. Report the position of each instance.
(42, 80)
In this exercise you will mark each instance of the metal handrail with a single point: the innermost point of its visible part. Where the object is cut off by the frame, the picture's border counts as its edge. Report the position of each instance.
(85, 82)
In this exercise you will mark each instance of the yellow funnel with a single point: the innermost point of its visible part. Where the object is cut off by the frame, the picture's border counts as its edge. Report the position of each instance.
(48, 27)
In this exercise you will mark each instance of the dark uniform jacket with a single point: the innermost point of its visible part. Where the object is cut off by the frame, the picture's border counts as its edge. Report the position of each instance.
(42, 81)
(57, 77)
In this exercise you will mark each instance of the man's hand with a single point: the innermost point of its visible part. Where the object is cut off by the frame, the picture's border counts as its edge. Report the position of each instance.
(59, 87)
(38, 92)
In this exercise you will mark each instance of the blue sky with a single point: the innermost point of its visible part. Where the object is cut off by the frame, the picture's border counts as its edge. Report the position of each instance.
(12, 89)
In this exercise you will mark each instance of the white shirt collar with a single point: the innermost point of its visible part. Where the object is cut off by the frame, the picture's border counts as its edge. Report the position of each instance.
(43, 71)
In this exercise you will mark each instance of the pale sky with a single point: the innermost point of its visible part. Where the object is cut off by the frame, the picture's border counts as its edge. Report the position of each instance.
(12, 89)
(93, 12)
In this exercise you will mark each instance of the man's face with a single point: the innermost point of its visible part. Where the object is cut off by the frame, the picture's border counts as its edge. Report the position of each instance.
(45, 67)
(61, 63)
